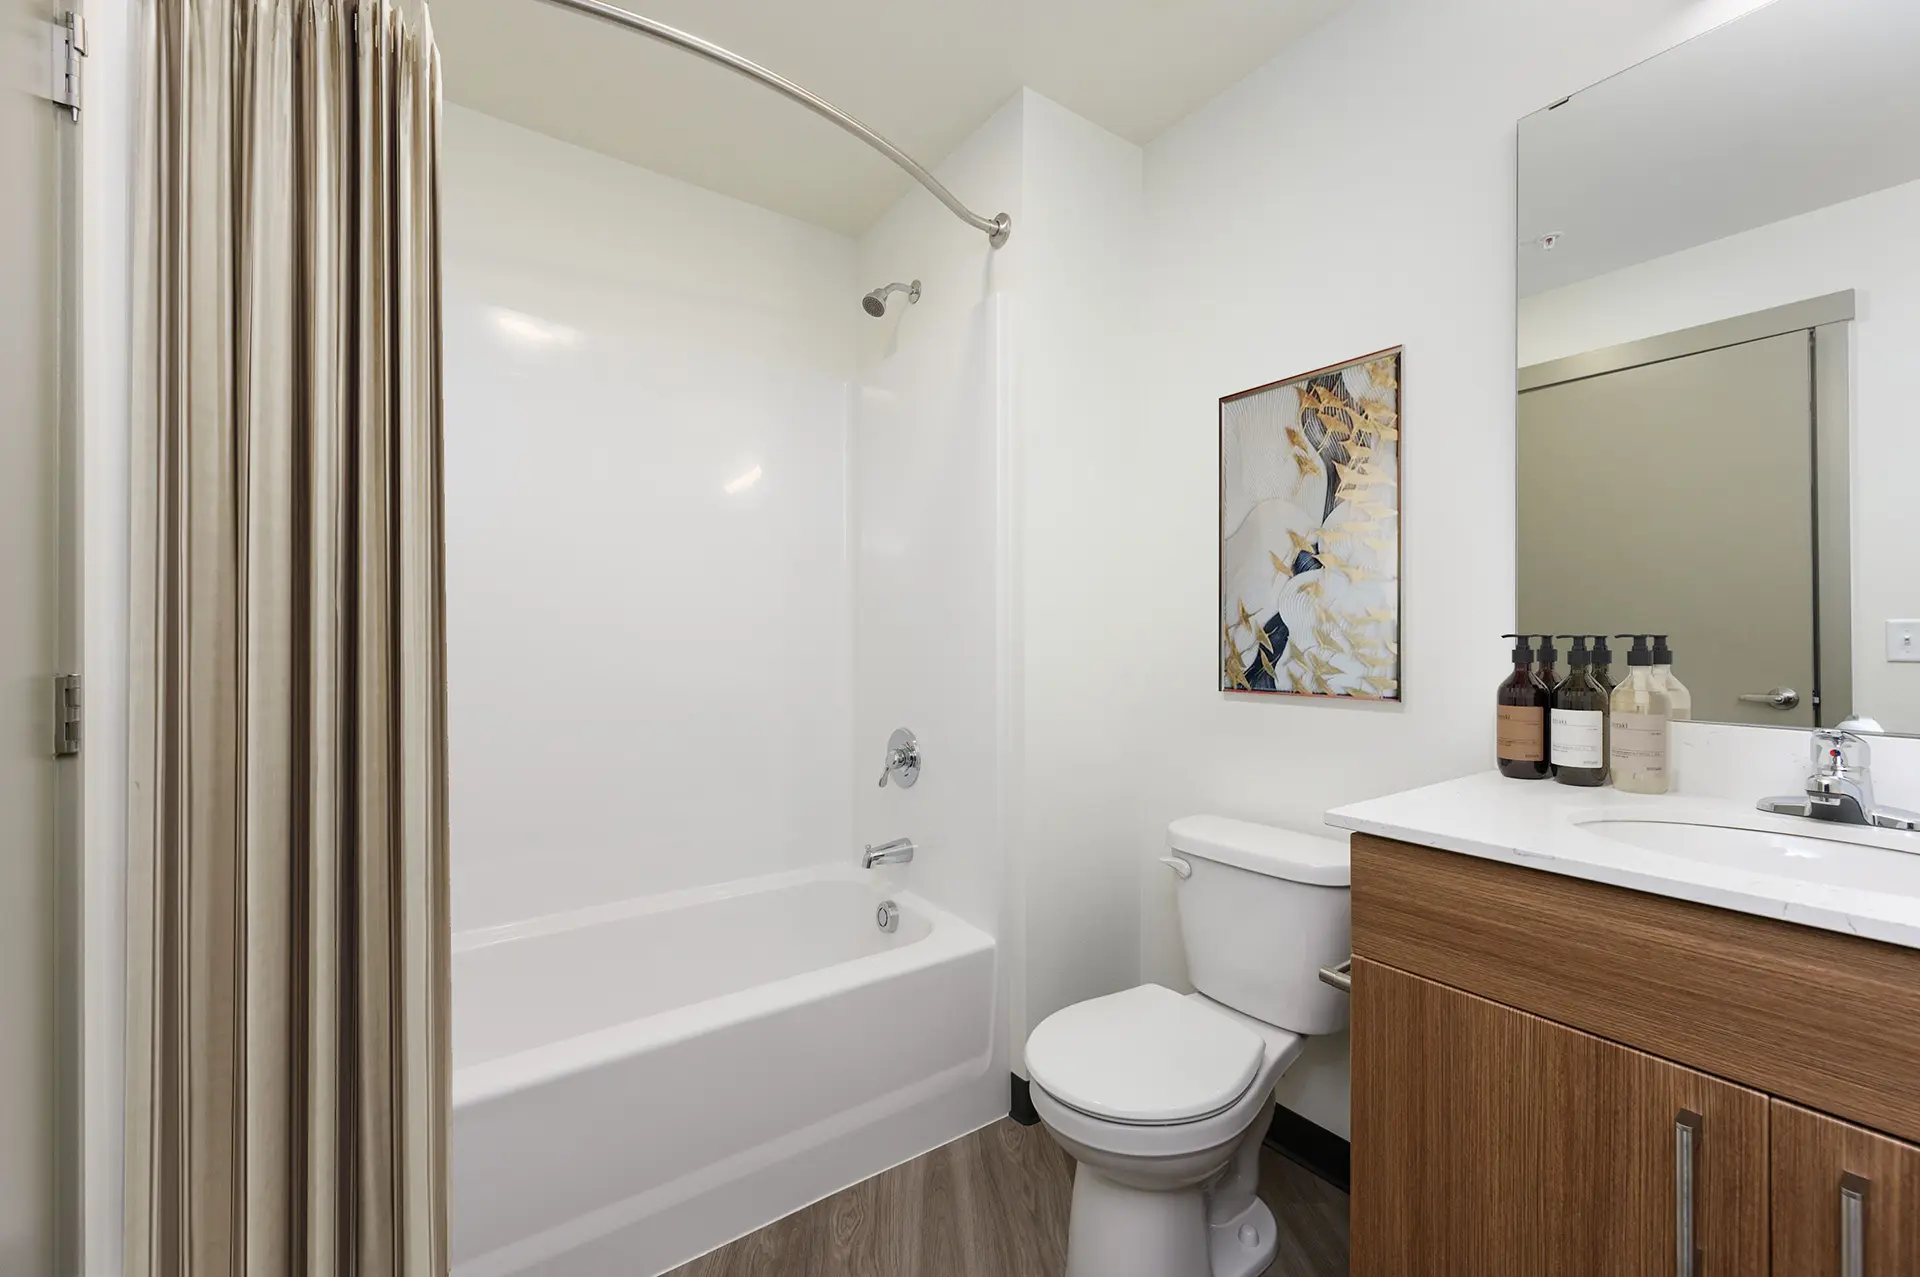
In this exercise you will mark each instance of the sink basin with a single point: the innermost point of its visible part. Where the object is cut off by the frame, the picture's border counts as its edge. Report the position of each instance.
(1847, 856)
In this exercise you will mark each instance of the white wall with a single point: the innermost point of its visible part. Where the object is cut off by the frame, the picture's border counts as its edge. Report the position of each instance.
(1866, 244)
(1353, 194)
(1082, 526)
(113, 68)
(1069, 283)
(649, 673)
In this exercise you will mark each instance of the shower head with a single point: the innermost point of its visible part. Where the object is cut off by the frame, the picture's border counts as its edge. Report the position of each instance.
(875, 302)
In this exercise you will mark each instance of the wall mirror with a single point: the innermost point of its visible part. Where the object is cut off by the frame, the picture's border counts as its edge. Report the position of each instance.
(1719, 363)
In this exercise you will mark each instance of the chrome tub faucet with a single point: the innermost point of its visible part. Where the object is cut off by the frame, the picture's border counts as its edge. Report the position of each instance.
(898, 852)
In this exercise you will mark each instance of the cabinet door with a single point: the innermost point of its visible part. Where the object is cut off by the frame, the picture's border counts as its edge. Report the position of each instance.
(1490, 1142)
(1846, 1201)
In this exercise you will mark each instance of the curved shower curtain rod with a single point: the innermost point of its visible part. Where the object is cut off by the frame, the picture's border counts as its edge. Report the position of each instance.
(996, 228)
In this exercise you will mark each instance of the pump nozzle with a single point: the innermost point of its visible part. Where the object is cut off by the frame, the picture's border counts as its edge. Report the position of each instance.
(1639, 655)
(1662, 654)
(1522, 650)
(1578, 656)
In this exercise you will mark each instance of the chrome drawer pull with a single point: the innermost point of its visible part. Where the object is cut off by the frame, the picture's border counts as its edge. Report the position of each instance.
(1687, 1129)
(1853, 1226)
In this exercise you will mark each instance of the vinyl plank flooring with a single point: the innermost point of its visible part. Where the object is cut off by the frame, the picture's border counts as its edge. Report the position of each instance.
(994, 1204)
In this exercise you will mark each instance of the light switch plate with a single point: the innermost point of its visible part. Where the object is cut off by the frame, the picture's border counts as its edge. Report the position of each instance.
(1903, 640)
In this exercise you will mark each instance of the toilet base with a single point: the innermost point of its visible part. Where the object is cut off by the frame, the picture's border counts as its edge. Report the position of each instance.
(1117, 1231)
(1245, 1245)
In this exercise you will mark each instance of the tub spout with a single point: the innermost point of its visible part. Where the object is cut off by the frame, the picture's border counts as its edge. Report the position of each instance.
(897, 852)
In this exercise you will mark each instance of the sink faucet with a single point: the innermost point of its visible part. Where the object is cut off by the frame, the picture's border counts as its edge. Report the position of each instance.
(897, 852)
(1841, 787)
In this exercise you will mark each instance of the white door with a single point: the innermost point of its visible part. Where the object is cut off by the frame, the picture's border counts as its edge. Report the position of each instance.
(39, 151)
(1678, 497)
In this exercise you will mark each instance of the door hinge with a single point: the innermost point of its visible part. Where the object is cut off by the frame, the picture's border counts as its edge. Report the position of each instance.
(68, 44)
(66, 714)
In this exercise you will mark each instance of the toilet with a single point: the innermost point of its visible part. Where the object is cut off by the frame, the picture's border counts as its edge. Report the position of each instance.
(1162, 1099)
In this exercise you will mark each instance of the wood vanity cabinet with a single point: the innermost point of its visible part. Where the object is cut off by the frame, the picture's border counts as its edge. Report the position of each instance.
(1554, 1078)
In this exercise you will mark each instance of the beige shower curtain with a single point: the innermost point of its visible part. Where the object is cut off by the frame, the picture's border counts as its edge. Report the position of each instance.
(288, 928)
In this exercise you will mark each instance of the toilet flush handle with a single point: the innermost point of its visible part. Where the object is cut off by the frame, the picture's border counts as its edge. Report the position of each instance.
(1181, 868)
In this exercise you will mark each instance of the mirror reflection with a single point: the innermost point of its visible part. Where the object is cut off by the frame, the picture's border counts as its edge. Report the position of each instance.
(1719, 363)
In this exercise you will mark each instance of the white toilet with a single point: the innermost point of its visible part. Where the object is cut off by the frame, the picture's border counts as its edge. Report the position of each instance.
(1163, 1099)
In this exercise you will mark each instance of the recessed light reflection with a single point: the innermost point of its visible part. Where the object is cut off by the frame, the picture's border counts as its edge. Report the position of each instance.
(740, 483)
(531, 331)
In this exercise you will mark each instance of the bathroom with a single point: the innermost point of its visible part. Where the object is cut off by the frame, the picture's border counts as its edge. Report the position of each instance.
(722, 566)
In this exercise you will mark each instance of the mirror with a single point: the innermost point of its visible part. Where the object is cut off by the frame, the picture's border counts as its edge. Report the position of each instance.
(1718, 406)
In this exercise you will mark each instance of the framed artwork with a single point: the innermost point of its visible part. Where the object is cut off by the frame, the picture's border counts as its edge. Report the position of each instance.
(1310, 533)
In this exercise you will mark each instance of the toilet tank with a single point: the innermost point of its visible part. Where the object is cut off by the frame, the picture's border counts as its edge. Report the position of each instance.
(1261, 911)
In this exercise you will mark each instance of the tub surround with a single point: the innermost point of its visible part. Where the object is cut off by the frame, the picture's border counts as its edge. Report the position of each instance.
(1536, 824)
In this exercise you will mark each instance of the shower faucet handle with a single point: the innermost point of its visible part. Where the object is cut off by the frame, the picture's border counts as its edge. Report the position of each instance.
(903, 759)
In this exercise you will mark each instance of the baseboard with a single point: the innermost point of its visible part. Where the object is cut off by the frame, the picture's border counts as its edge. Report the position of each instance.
(1021, 1109)
(1312, 1146)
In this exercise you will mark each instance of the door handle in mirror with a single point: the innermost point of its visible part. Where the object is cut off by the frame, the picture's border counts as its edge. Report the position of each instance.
(1779, 698)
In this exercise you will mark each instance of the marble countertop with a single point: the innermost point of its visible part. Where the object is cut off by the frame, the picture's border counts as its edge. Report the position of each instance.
(1858, 881)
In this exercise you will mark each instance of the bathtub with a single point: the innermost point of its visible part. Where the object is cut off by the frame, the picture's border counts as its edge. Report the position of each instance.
(636, 1083)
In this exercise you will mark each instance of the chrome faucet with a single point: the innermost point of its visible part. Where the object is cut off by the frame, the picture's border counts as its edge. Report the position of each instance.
(1841, 787)
(897, 852)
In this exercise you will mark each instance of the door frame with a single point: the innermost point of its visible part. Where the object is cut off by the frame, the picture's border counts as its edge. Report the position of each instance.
(1828, 323)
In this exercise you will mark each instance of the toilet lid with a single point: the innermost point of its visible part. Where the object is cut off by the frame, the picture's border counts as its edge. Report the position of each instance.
(1146, 1056)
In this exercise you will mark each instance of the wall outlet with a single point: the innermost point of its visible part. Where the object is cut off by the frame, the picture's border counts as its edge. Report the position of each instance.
(1903, 640)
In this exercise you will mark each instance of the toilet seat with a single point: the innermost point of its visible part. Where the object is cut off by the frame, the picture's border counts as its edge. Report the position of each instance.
(1145, 1057)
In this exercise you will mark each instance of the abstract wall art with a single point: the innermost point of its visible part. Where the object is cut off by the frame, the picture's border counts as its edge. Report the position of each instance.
(1310, 533)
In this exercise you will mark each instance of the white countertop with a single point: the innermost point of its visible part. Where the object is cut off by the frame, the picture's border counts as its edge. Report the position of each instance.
(1864, 882)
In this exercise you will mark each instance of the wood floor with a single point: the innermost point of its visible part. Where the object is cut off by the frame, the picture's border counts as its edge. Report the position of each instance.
(994, 1205)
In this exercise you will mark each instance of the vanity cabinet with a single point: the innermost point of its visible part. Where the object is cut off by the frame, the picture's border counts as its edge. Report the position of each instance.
(1830, 1176)
(1552, 1076)
(1497, 1142)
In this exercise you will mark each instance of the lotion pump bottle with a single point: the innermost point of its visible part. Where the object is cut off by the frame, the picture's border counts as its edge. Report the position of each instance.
(1663, 676)
(1522, 702)
(1639, 743)
(1577, 722)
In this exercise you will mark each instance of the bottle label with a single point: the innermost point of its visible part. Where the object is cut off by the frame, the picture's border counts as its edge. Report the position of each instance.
(1640, 744)
(1523, 734)
(1578, 738)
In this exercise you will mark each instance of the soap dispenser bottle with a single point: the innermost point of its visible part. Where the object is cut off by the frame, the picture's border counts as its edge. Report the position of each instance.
(1639, 740)
(1522, 701)
(1549, 676)
(1602, 666)
(1663, 677)
(1577, 722)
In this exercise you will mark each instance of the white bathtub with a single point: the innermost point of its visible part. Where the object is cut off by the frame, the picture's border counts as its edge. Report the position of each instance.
(639, 1082)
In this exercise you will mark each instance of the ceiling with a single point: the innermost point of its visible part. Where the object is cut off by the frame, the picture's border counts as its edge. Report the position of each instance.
(924, 73)
(1801, 104)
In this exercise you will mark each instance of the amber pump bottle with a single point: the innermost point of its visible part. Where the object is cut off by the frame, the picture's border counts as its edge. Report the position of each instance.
(1522, 700)
(1549, 676)
(1577, 722)
(1602, 666)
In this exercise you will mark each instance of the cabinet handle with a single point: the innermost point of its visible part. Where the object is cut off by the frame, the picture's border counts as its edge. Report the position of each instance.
(1340, 977)
(1687, 1130)
(1853, 1226)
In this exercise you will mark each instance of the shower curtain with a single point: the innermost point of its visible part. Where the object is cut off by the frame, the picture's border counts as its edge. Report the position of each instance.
(288, 1085)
